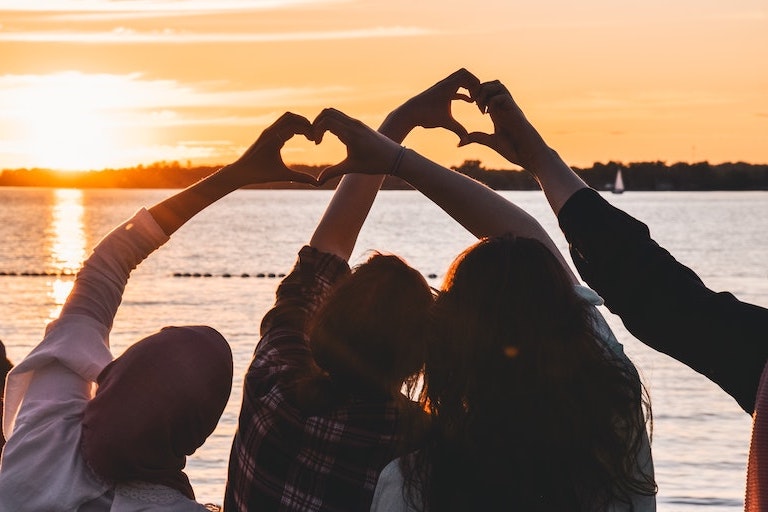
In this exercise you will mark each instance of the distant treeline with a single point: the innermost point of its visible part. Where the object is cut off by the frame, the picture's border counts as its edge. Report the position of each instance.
(636, 176)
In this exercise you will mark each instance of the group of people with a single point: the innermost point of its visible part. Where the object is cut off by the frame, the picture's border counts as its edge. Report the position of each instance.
(504, 390)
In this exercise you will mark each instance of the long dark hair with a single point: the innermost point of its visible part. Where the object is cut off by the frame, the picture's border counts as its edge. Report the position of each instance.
(530, 411)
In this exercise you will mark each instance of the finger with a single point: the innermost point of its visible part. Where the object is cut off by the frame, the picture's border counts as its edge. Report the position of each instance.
(501, 101)
(462, 97)
(485, 91)
(301, 177)
(283, 129)
(291, 124)
(484, 139)
(336, 122)
(333, 171)
(325, 119)
(467, 80)
(457, 128)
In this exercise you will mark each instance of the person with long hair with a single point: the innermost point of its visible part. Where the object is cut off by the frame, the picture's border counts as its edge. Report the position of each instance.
(323, 410)
(533, 404)
(662, 302)
(124, 447)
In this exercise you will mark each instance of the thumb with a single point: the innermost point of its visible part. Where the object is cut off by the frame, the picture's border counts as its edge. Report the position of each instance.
(300, 177)
(484, 139)
(457, 128)
(330, 172)
(463, 97)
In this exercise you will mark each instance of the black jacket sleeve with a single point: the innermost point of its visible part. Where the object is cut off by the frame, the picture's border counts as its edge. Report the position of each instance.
(662, 302)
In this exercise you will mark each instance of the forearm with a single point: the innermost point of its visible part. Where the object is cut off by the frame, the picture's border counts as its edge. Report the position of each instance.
(558, 181)
(174, 212)
(98, 288)
(338, 229)
(479, 209)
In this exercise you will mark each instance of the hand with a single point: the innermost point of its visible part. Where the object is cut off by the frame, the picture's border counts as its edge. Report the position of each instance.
(368, 151)
(432, 108)
(514, 137)
(263, 163)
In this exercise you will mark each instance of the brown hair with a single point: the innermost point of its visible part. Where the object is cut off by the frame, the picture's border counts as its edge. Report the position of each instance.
(369, 332)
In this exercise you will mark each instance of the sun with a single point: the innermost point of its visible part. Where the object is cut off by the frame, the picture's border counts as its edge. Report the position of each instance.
(68, 123)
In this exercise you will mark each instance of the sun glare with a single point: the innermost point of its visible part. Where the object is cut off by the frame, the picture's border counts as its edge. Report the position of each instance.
(67, 244)
(67, 123)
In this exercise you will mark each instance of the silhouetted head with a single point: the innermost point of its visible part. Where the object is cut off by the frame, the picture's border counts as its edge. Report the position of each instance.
(505, 302)
(156, 404)
(368, 334)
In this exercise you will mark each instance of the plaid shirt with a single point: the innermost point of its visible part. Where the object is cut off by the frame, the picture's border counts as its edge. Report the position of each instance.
(283, 459)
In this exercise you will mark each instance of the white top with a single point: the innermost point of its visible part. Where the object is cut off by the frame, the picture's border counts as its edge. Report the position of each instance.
(46, 393)
(389, 493)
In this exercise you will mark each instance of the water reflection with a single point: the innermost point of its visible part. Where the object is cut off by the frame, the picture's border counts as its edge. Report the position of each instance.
(67, 244)
(67, 233)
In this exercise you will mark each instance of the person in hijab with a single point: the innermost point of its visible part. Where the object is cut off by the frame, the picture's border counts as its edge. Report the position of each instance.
(124, 447)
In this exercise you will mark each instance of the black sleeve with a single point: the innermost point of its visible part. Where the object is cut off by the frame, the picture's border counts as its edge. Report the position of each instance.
(662, 302)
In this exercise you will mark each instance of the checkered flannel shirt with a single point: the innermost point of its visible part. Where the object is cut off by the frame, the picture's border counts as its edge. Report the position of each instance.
(283, 460)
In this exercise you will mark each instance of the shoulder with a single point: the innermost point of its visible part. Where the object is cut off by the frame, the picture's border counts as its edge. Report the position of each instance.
(588, 295)
(602, 329)
(389, 495)
(134, 496)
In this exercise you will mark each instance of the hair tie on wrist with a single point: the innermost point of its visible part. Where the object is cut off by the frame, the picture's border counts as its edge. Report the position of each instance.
(398, 159)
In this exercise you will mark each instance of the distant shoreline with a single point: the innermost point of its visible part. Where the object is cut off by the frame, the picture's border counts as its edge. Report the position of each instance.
(638, 176)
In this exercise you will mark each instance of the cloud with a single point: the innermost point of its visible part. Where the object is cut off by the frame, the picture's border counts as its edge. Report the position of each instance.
(123, 35)
(134, 92)
(151, 6)
(643, 103)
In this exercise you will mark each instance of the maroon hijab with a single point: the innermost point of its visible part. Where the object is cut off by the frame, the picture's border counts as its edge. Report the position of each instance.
(757, 469)
(156, 404)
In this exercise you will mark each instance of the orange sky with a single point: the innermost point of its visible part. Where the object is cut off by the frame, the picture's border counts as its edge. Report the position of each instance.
(87, 84)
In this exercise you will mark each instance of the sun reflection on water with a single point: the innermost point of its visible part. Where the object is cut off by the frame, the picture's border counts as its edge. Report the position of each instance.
(67, 244)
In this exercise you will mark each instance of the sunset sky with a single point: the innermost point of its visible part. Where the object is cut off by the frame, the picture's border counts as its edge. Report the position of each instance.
(88, 84)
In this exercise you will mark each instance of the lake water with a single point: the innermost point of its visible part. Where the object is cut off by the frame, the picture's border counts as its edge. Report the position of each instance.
(700, 438)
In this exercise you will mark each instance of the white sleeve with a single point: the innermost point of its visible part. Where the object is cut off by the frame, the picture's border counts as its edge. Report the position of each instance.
(389, 495)
(78, 340)
(46, 393)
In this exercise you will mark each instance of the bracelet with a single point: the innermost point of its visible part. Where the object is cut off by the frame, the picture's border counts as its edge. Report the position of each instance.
(398, 159)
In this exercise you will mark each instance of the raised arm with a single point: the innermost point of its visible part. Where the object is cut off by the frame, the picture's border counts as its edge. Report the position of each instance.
(661, 301)
(99, 285)
(261, 163)
(517, 140)
(339, 227)
(476, 207)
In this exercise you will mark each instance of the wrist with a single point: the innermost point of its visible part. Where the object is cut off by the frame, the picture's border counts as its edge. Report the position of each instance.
(396, 126)
(544, 162)
(234, 176)
(395, 168)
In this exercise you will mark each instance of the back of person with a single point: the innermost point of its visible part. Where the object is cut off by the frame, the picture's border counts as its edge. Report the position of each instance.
(325, 461)
(322, 410)
(534, 407)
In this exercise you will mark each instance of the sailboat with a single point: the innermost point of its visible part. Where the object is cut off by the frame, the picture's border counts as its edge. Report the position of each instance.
(618, 185)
